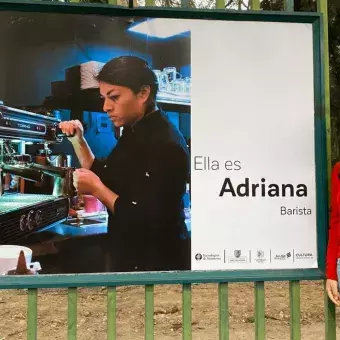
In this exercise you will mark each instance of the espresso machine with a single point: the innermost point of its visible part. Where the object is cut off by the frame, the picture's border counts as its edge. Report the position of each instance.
(22, 214)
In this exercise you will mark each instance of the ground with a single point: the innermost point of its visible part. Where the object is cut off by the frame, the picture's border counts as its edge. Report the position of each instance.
(52, 313)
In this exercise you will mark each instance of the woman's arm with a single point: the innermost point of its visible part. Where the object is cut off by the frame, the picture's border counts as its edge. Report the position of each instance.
(75, 129)
(83, 152)
(151, 194)
(333, 240)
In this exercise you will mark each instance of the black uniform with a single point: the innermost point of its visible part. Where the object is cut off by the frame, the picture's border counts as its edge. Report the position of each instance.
(148, 170)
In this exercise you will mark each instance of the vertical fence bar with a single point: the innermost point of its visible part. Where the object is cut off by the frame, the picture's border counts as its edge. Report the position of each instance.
(72, 314)
(111, 313)
(330, 319)
(322, 6)
(255, 5)
(220, 4)
(149, 312)
(186, 306)
(288, 5)
(260, 320)
(223, 307)
(185, 3)
(294, 297)
(32, 314)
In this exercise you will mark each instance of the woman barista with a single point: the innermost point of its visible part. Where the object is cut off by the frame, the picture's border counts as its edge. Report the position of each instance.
(143, 180)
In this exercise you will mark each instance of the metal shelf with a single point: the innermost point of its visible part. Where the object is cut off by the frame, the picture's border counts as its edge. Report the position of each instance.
(168, 98)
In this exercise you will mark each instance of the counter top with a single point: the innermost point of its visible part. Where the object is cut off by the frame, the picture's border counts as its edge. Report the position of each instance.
(92, 225)
(88, 226)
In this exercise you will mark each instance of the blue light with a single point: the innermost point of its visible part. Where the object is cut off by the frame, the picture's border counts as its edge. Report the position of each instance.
(161, 28)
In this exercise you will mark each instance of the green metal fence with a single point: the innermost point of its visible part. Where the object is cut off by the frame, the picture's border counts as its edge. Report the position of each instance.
(259, 313)
(259, 287)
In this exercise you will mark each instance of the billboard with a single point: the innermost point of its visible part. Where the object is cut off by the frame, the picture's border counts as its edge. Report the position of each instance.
(197, 139)
(253, 181)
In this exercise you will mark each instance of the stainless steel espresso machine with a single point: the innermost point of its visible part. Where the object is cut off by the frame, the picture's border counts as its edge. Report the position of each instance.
(22, 214)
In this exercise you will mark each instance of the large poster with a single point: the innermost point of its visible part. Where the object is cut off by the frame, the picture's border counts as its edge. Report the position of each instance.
(253, 150)
(191, 143)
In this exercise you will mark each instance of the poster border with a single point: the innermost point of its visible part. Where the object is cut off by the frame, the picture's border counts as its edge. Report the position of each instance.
(205, 276)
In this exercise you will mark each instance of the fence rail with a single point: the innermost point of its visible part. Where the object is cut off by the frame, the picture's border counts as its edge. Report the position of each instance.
(223, 312)
(223, 291)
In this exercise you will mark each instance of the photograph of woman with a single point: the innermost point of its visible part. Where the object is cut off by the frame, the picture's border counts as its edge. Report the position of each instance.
(143, 181)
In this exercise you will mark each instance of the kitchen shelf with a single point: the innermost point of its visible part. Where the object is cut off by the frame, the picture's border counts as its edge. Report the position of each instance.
(169, 98)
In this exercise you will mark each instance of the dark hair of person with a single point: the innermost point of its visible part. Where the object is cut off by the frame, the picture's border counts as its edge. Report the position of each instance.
(131, 72)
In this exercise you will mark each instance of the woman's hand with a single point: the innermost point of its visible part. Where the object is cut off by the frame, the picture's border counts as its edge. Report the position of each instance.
(87, 182)
(333, 291)
(72, 128)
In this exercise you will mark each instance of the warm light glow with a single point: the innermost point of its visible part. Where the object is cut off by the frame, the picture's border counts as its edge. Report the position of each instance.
(161, 28)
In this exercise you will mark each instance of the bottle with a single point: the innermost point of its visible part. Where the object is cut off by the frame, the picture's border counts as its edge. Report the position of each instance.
(187, 203)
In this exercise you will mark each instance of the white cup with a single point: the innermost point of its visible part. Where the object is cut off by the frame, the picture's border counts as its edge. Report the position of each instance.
(9, 256)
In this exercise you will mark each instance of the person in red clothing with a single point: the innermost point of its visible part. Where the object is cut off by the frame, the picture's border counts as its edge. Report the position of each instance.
(333, 249)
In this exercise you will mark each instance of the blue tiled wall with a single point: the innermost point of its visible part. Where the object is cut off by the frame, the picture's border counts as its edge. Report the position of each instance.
(185, 124)
(173, 118)
(185, 71)
(100, 142)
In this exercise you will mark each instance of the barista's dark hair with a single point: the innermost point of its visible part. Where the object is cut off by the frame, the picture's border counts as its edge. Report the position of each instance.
(131, 72)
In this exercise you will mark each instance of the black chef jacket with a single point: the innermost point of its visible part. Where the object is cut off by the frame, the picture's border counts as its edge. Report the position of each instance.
(148, 169)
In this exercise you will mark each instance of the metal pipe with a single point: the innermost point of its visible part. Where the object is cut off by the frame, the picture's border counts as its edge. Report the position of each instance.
(22, 171)
(50, 170)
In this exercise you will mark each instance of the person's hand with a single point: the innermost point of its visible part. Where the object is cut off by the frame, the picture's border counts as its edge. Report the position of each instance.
(332, 291)
(72, 128)
(86, 182)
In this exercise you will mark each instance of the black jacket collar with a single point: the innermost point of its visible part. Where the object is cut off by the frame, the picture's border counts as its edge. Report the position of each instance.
(146, 122)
